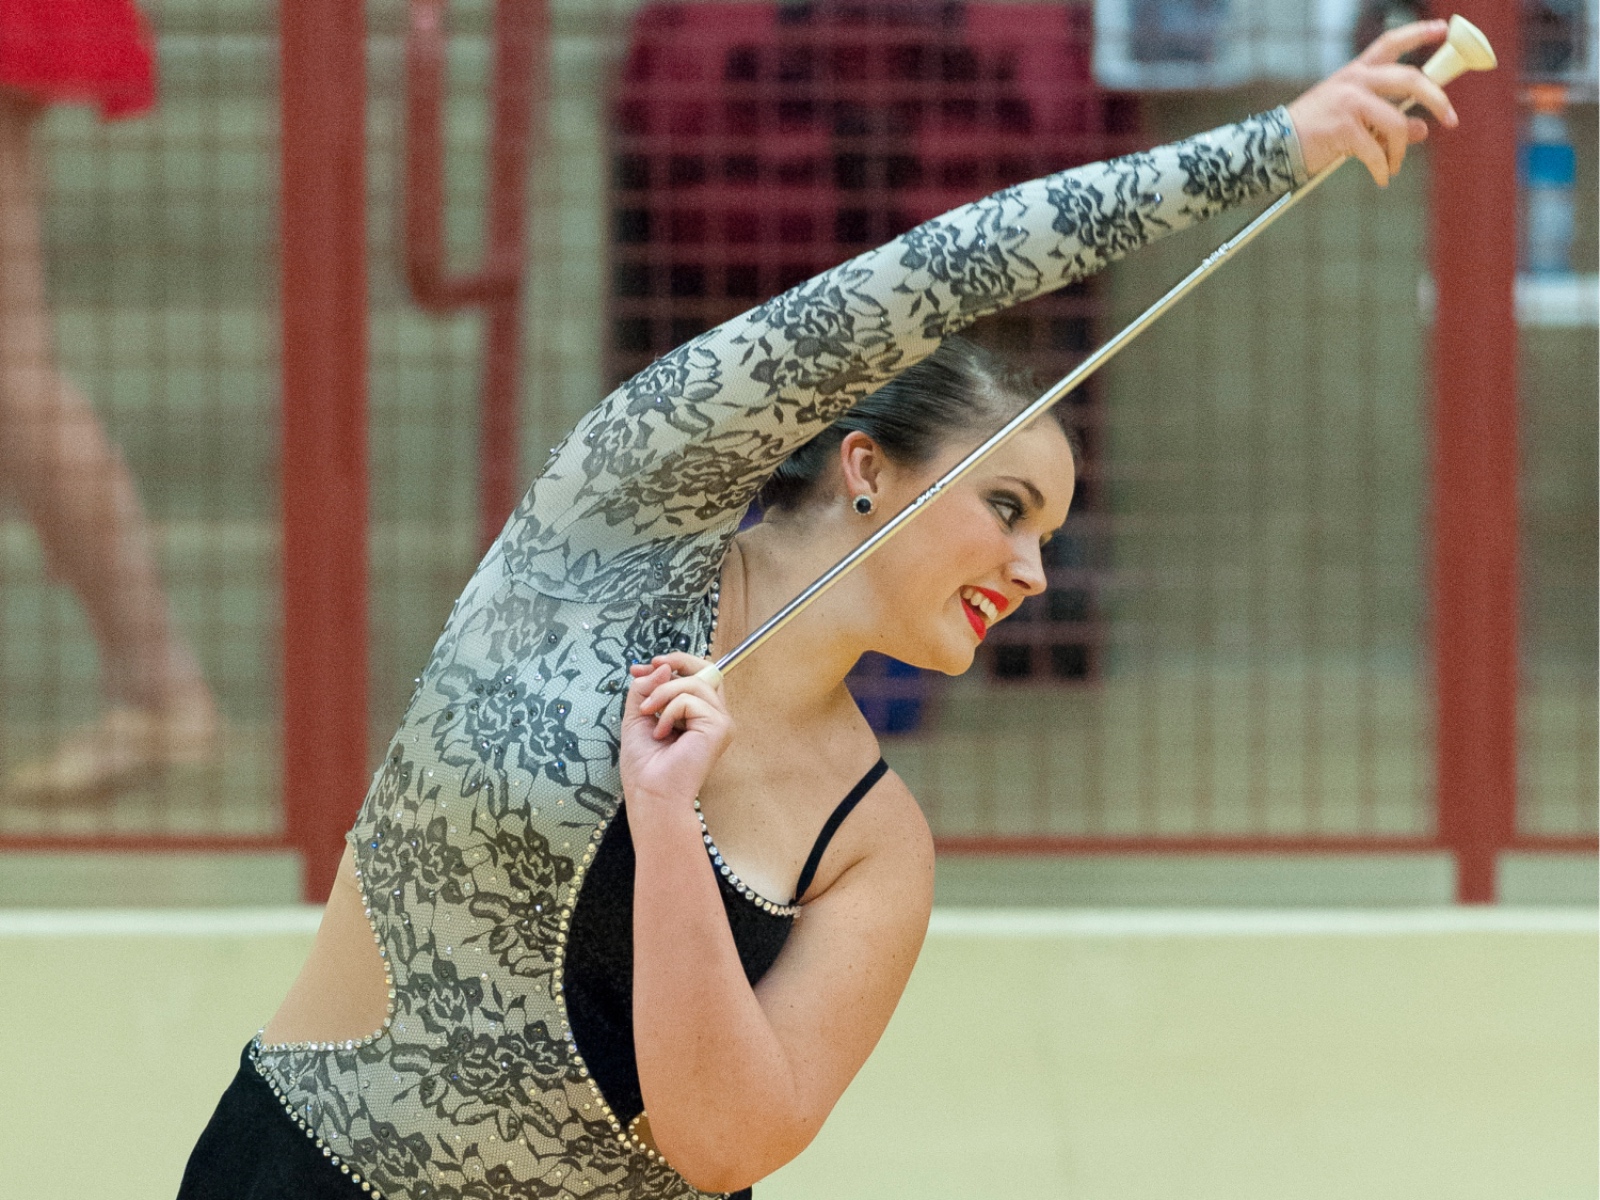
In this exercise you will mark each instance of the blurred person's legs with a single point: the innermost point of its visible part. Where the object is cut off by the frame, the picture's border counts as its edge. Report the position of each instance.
(58, 465)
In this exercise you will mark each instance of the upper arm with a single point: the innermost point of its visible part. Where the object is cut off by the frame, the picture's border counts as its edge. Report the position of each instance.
(831, 993)
(682, 447)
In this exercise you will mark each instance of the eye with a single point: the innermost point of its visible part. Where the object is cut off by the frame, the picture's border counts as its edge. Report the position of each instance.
(1008, 508)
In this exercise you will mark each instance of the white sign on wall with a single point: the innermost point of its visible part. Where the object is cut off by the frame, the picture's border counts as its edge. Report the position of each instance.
(1145, 45)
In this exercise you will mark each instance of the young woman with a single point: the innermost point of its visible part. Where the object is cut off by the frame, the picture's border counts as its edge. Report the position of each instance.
(606, 930)
(55, 458)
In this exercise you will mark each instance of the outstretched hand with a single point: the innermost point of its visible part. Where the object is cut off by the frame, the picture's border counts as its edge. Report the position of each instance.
(675, 726)
(1353, 113)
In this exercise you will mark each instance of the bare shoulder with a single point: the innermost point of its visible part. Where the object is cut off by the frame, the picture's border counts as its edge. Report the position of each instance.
(900, 819)
(884, 848)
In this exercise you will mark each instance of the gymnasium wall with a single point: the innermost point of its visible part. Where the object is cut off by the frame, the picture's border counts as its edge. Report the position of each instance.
(1263, 558)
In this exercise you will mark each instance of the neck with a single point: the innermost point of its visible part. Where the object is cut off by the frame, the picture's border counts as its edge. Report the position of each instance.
(801, 669)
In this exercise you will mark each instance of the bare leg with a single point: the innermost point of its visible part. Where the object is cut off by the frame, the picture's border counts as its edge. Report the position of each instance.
(71, 481)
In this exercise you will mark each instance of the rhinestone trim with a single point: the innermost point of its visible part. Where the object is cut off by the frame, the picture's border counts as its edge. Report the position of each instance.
(307, 1128)
(639, 1145)
(626, 1137)
(717, 861)
(732, 876)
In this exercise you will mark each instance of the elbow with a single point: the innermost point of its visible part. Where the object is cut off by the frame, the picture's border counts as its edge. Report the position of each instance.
(729, 1159)
(716, 1178)
(716, 1165)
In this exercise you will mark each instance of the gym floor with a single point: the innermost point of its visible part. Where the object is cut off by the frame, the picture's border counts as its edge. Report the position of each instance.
(1122, 1054)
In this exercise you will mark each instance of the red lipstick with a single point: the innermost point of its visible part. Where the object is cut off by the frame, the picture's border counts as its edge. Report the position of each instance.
(974, 618)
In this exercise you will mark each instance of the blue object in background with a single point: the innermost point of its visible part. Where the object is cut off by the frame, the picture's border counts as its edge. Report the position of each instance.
(891, 694)
(1549, 178)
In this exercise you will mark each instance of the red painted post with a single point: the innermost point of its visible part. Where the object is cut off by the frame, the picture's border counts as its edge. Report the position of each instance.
(323, 235)
(521, 31)
(1474, 467)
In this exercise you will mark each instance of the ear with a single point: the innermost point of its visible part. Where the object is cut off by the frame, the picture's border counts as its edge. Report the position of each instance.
(861, 463)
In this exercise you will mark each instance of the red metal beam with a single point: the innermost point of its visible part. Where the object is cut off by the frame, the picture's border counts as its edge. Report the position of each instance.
(1572, 843)
(1474, 464)
(141, 843)
(324, 240)
(986, 844)
(520, 35)
(1112, 844)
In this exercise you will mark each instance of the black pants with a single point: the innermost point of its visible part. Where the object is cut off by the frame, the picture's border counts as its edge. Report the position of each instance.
(251, 1150)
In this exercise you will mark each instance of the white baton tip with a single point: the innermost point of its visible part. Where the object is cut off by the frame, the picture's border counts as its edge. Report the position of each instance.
(1465, 49)
(710, 674)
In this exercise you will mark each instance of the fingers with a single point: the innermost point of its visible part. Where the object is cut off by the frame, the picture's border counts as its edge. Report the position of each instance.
(1408, 83)
(1362, 132)
(663, 667)
(1377, 134)
(677, 667)
(646, 679)
(683, 664)
(1391, 128)
(1402, 40)
(1350, 113)
(665, 692)
(672, 689)
(1369, 152)
(683, 711)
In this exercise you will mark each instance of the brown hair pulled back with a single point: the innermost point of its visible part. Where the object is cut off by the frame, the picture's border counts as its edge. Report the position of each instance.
(961, 388)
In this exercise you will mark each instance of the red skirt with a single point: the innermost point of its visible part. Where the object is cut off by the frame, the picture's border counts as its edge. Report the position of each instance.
(89, 51)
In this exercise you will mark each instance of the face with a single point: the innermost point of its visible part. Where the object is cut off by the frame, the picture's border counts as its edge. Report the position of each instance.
(974, 555)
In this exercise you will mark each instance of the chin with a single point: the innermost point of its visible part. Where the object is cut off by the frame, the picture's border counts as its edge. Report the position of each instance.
(942, 642)
(946, 657)
(952, 660)
(960, 663)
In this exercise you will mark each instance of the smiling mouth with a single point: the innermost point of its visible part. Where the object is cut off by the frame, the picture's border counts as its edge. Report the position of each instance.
(982, 608)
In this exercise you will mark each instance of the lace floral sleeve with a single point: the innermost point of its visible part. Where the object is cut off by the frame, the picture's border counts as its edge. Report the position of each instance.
(643, 494)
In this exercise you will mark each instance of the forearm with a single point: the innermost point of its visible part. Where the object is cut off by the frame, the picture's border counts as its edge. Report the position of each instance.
(1038, 236)
(715, 1079)
(685, 444)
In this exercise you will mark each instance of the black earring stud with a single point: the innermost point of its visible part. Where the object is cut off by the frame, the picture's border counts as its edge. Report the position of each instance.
(863, 505)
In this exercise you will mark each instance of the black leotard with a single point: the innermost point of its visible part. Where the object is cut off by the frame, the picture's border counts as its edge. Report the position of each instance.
(599, 975)
(475, 841)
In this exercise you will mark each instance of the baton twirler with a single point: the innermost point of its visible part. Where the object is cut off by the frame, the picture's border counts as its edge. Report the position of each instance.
(1464, 49)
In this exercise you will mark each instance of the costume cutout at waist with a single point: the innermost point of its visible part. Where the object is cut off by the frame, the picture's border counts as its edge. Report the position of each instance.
(495, 794)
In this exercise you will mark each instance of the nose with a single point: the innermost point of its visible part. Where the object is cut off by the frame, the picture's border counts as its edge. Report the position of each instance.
(1027, 569)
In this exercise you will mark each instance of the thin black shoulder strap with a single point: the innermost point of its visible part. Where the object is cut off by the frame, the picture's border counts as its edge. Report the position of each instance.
(831, 826)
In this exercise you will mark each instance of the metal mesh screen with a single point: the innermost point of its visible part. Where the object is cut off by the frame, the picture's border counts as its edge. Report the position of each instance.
(755, 145)
(425, 367)
(1231, 644)
(1233, 649)
(159, 271)
(1260, 557)
(1559, 770)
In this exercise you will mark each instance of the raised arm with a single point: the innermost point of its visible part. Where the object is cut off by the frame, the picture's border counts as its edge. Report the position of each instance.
(682, 447)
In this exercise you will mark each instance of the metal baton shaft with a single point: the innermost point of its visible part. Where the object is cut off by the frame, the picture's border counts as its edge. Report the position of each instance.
(989, 445)
(1465, 49)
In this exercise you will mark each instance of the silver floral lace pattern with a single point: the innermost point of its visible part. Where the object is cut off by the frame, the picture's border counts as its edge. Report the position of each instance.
(476, 835)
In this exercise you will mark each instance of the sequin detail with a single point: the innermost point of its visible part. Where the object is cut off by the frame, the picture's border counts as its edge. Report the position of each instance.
(485, 814)
(732, 876)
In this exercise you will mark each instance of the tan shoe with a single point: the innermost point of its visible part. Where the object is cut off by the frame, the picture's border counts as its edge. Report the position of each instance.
(124, 748)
